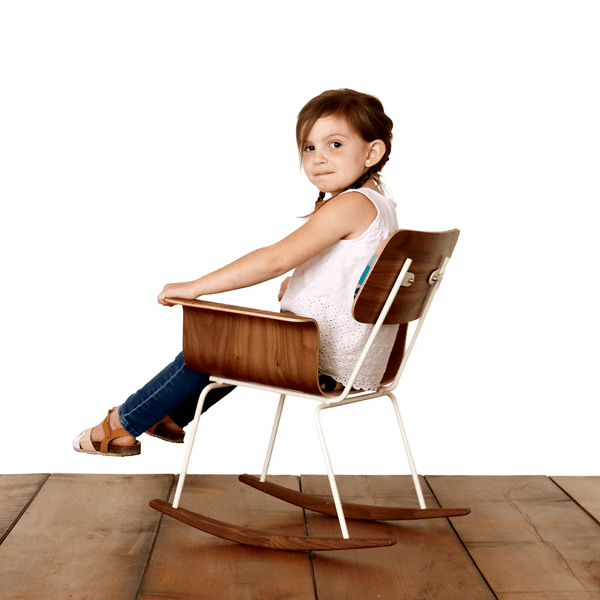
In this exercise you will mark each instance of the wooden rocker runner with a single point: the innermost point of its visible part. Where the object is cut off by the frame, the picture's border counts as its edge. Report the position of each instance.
(279, 352)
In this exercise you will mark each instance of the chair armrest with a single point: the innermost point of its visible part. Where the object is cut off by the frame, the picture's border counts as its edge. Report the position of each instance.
(241, 310)
(277, 349)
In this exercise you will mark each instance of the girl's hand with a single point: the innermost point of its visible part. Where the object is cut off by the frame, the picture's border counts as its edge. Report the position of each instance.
(187, 290)
(283, 288)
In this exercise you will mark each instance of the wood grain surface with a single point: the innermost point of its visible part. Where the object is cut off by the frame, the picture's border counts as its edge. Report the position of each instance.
(89, 537)
(584, 491)
(527, 537)
(252, 347)
(84, 536)
(428, 561)
(188, 563)
(16, 492)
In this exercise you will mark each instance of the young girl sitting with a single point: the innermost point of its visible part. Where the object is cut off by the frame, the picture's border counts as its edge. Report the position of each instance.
(344, 138)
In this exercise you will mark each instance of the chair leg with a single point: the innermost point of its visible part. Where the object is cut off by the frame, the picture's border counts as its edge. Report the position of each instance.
(334, 489)
(190, 443)
(263, 476)
(411, 461)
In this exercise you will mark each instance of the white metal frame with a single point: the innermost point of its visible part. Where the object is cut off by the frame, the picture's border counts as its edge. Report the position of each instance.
(346, 397)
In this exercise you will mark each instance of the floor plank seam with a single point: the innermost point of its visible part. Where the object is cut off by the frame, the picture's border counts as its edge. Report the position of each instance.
(587, 512)
(18, 518)
(462, 543)
(157, 531)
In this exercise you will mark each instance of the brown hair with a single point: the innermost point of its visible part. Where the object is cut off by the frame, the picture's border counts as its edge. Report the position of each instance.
(364, 114)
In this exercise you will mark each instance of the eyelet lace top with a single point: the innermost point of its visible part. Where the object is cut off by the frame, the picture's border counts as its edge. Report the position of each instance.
(323, 289)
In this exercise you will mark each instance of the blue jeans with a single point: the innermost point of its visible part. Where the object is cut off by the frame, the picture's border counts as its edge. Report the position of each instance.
(174, 391)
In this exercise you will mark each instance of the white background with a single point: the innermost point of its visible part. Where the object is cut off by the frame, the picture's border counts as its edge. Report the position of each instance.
(149, 142)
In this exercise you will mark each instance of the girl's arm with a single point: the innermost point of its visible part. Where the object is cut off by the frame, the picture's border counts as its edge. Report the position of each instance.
(346, 216)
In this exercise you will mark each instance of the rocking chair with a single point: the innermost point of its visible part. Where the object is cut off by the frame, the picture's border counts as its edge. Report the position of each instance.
(279, 352)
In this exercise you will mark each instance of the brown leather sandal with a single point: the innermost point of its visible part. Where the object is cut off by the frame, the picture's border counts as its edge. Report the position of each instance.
(83, 442)
(162, 432)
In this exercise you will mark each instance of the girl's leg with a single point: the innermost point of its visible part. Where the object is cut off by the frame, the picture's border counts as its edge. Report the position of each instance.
(174, 391)
(185, 412)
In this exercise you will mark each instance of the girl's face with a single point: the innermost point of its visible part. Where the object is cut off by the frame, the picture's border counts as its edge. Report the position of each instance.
(334, 156)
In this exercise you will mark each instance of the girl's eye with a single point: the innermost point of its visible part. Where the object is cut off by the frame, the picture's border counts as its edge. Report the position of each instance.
(336, 144)
(308, 148)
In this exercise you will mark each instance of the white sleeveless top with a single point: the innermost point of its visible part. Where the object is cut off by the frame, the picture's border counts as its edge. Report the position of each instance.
(323, 289)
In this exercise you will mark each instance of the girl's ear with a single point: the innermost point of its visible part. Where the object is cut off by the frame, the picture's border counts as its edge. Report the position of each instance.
(376, 152)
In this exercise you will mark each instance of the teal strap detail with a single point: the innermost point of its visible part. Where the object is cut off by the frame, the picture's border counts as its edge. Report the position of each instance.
(364, 274)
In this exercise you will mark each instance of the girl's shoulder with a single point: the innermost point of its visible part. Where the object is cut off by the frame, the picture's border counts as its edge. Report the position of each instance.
(386, 207)
(346, 202)
(373, 195)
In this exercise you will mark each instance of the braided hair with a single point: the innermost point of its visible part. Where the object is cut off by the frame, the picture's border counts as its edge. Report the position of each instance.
(364, 113)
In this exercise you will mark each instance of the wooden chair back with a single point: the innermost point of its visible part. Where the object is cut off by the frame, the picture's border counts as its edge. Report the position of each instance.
(427, 252)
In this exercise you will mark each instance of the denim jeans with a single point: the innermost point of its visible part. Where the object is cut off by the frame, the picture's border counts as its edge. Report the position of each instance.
(174, 391)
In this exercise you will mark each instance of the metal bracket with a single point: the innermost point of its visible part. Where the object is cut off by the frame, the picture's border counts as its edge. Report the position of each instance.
(435, 276)
(408, 280)
(439, 273)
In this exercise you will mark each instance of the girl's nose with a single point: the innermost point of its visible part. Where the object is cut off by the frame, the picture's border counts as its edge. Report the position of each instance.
(318, 157)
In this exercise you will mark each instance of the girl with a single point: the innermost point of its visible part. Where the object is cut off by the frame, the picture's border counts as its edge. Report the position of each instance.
(344, 139)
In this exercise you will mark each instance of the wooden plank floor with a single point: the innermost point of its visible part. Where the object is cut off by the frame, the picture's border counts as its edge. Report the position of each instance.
(95, 537)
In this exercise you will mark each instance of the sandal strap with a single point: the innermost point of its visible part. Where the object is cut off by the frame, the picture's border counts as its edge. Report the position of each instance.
(109, 433)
